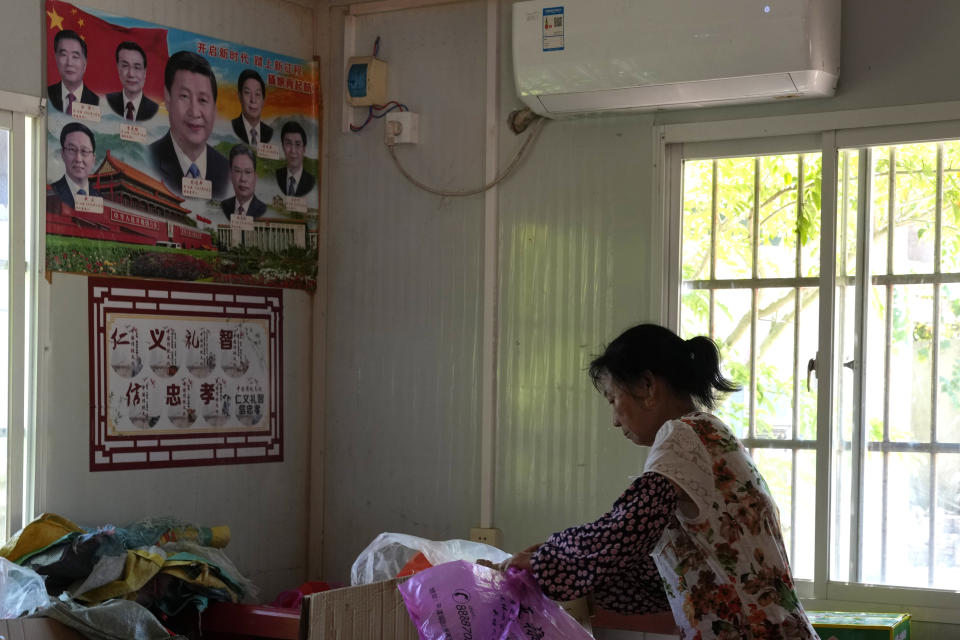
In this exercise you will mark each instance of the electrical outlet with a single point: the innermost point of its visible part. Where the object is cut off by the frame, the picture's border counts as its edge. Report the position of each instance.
(492, 537)
(402, 127)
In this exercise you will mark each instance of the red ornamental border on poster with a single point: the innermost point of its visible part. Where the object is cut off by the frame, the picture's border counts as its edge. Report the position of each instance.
(203, 307)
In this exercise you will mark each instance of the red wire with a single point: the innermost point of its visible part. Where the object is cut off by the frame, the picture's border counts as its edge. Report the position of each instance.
(377, 107)
(381, 107)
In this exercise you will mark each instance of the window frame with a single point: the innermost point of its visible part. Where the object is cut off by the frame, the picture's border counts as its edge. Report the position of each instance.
(757, 284)
(21, 116)
(826, 133)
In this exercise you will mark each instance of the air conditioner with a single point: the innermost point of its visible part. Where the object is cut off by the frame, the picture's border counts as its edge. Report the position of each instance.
(584, 56)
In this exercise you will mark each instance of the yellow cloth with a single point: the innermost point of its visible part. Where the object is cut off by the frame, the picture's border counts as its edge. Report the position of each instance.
(141, 565)
(218, 537)
(42, 532)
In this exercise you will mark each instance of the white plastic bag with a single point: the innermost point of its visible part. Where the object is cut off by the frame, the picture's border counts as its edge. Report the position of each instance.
(389, 552)
(22, 590)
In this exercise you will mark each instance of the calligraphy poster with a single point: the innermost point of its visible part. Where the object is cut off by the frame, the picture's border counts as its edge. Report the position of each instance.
(176, 155)
(184, 374)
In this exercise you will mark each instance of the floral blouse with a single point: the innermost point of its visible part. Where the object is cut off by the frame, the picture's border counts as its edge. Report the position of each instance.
(722, 558)
(719, 560)
(610, 558)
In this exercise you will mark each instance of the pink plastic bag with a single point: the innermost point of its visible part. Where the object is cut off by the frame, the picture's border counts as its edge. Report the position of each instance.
(464, 601)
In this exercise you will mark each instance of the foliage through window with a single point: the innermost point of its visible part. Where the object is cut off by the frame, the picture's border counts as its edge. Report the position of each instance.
(750, 278)
(750, 267)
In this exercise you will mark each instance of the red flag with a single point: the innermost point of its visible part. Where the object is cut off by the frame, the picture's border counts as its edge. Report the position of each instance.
(102, 38)
(204, 220)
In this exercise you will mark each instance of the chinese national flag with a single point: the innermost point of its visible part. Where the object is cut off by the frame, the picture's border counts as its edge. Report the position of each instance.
(102, 39)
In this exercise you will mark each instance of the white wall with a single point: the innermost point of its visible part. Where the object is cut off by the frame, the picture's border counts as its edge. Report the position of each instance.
(575, 251)
(265, 505)
(21, 32)
(403, 397)
(405, 298)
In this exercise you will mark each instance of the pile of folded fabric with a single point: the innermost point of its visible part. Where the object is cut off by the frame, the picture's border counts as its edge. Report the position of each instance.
(163, 564)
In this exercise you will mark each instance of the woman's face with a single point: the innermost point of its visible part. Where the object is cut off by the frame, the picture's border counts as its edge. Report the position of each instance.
(632, 410)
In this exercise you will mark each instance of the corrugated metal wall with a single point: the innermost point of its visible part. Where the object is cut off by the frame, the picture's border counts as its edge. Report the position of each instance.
(573, 247)
(404, 336)
(405, 295)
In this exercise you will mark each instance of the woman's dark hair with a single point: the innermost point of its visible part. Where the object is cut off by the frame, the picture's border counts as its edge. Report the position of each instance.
(691, 366)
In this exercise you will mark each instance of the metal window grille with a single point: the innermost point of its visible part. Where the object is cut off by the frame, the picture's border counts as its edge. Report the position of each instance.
(895, 463)
(898, 440)
(772, 298)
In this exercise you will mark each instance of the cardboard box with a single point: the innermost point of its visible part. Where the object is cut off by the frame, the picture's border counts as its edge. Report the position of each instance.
(580, 610)
(860, 626)
(368, 612)
(36, 629)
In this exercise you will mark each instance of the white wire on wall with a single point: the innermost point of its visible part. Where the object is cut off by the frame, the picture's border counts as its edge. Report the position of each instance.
(531, 138)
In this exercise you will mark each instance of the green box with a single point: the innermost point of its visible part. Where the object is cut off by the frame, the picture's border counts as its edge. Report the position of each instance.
(843, 625)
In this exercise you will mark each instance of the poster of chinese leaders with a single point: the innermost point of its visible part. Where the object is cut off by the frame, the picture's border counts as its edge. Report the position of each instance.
(177, 155)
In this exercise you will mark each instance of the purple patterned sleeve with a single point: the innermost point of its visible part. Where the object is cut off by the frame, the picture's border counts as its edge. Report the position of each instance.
(610, 557)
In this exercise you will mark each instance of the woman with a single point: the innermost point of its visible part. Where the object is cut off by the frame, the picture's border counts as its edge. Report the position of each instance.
(699, 528)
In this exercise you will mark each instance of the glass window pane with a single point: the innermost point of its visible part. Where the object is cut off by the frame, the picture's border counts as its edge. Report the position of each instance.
(732, 320)
(806, 510)
(797, 516)
(872, 545)
(913, 332)
(947, 544)
(915, 209)
(769, 332)
(695, 313)
(809, 226)
(842, 475)
(847, 202)
(735, 202)
(768, 208)
(779, 201)
(776, 467)
(948, 367)
(874, 363)
(950, 224)
(910, 363)
(844, 482)
(844, 373)
(845, 328)
(907, 519)
(880, 210)
(775, 362)
(697, 218)
(808, 338)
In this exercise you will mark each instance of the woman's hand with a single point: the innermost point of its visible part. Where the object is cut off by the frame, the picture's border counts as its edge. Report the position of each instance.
(520, 560)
